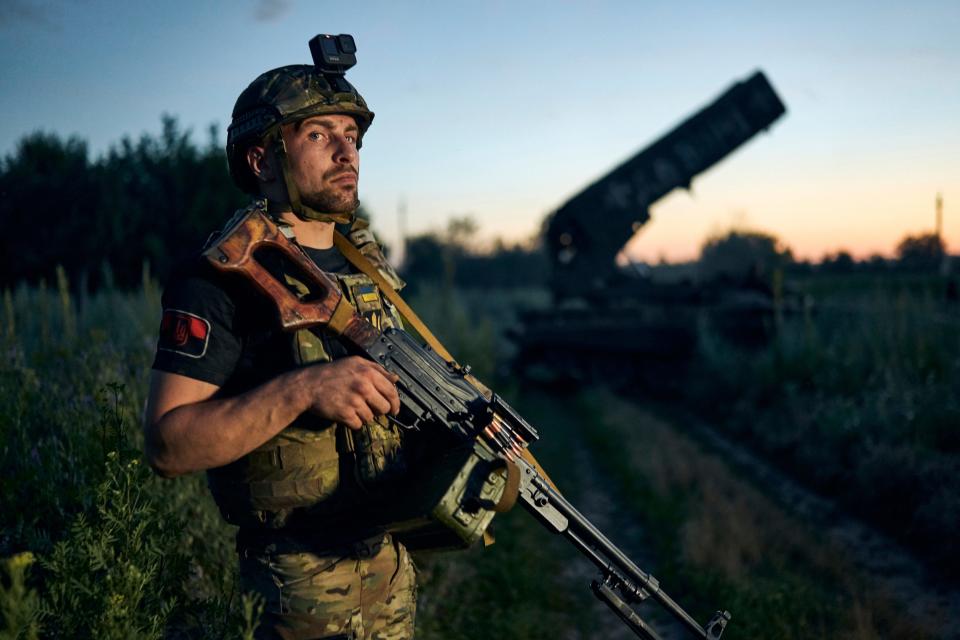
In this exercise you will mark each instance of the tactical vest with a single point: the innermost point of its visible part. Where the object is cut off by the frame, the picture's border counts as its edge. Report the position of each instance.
(312, 469)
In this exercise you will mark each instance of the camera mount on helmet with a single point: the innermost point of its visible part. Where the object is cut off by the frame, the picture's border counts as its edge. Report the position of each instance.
(332, 56)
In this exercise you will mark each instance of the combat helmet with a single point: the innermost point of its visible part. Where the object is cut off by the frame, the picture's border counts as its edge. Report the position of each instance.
(281, 96)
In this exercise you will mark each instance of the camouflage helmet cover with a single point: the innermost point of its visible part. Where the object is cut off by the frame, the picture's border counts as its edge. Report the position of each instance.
(281, 96)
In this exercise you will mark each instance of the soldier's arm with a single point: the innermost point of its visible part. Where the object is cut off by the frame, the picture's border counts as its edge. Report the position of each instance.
(187, 427)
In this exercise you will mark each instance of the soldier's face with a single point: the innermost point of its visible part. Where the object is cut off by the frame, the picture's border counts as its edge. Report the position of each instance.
(324, 162)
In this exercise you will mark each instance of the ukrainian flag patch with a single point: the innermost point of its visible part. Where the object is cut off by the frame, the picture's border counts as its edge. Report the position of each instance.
(367, 293)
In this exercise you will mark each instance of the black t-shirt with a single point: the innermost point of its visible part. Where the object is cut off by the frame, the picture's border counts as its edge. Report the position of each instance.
(217, 328)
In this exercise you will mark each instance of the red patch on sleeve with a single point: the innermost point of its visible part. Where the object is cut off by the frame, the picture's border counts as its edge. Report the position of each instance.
(184, 333)
(199, 328)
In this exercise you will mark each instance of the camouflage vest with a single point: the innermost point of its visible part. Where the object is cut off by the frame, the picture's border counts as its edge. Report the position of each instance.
(313, 470)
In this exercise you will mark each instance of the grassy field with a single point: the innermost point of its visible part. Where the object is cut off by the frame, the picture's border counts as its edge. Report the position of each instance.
(108, 549)
(97, 547)
(860, 399)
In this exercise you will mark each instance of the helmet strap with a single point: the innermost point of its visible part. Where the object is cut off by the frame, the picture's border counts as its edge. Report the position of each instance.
(299, 209)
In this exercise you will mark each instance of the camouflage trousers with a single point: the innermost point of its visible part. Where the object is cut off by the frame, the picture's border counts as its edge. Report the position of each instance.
(360, 591)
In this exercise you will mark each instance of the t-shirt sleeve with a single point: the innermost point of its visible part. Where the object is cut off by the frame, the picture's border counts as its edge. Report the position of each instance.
(197, 331)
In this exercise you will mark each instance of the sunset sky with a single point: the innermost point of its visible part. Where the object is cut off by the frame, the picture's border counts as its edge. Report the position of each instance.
(503, 110)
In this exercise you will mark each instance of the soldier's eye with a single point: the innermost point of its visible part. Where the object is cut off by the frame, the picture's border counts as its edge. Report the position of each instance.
(316, 136)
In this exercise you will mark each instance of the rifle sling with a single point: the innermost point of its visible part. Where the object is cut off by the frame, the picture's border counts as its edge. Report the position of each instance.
(361, 262)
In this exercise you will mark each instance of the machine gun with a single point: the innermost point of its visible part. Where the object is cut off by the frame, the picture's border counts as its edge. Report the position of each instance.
(585, 234)
(443, 400)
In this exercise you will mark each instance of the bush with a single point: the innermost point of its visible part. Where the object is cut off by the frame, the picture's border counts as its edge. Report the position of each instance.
(119, 552)
(923, 252)
(742, 256)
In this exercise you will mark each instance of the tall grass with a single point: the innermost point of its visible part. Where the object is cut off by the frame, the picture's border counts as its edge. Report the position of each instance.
(721, 542)
(118, 552)
(861, 400)
(97, 546)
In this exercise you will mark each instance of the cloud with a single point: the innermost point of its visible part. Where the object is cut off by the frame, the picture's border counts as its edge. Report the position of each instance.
(20, 12)
(271, 10)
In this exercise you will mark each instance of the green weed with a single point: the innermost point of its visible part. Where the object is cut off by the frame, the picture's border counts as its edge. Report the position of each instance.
(19, 604)
(120, 553)
(860, 400)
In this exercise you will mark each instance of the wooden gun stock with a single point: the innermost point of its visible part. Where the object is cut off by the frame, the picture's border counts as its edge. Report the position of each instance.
(235, 251)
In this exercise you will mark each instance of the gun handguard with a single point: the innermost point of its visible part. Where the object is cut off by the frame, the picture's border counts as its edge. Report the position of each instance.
(438, 394)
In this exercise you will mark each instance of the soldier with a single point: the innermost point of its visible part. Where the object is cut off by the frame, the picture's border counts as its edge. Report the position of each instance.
(290, 430)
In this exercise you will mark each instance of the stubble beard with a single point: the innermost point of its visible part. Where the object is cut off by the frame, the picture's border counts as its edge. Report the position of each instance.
(329, 201)
(333, 199)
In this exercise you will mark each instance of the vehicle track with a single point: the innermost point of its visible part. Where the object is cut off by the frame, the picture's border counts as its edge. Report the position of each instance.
(887, 565)
(600, 498)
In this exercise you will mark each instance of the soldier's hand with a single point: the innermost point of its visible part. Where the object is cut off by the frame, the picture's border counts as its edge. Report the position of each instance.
(352, 391)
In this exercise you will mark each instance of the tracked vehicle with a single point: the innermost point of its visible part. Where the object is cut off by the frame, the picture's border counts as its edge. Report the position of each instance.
(614, 323)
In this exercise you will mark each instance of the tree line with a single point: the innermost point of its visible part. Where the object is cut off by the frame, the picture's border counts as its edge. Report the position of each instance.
(151, 202)
(449, 258)
(148, 201)
(741, 253)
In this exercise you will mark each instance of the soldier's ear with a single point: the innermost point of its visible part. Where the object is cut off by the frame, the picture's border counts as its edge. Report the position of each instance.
(260, 163)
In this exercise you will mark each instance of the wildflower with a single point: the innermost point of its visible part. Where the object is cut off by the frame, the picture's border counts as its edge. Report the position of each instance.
(21, 561)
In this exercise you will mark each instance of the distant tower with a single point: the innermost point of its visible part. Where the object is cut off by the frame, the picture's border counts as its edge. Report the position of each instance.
(402, 229)
(940, 216)
(946, 265)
